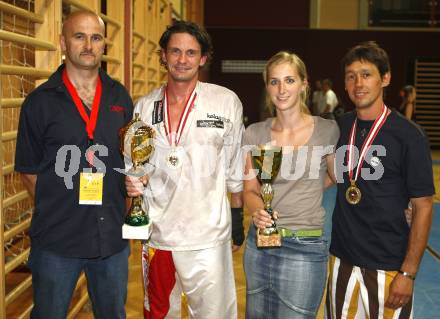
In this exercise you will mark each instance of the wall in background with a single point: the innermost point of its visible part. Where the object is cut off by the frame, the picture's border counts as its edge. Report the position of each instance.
(326, 14)
(321, 50)
(257, 14)
(338, 14)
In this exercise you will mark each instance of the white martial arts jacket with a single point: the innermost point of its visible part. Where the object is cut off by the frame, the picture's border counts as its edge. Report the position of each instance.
(188, 205)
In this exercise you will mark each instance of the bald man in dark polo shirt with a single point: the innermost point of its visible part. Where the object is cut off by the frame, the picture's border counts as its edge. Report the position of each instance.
(67, 149)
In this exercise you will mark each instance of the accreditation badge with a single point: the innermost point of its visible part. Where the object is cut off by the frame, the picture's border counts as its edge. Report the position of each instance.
(90, 188)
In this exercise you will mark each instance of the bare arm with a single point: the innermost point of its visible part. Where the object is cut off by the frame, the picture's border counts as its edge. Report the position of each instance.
(29, 182)
(402, 286)
(330, 179)
(237, 200)
(418, 236)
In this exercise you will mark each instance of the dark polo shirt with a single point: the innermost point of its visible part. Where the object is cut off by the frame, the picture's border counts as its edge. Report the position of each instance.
(49, 120)
(374, 233)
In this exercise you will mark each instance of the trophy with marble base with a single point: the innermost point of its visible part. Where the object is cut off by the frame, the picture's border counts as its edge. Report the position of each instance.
(267, 160)
(137, 145)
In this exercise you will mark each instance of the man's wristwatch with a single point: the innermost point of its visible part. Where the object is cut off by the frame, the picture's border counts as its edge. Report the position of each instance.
(407, 274)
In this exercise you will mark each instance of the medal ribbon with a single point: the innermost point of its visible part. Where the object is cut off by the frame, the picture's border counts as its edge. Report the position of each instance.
(183, 118)
(377, 125)
(90, 122)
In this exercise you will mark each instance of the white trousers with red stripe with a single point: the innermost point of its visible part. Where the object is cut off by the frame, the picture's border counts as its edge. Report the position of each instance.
(206, 277)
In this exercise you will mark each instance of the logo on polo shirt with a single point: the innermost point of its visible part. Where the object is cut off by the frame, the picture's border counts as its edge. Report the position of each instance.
(117, 108)
(217, 117)
(210, 123)
(375, 161)
(157, 112)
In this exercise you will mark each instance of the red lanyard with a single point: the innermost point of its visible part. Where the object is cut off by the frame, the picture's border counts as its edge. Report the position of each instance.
(377, 125)
(90, 122)
(183, 118)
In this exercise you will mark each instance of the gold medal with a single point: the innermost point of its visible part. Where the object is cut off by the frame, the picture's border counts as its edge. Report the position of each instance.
(353, 194)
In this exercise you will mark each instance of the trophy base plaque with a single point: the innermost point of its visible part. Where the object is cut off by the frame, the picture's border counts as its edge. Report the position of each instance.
(268, 241)
(136, 232)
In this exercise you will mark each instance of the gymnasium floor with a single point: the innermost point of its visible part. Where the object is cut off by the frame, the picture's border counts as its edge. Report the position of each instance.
(427, 298)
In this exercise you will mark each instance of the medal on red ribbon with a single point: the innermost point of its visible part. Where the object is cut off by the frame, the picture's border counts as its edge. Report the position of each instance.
(90, 122)
(174, 157)
(91, 184)
(353, 194)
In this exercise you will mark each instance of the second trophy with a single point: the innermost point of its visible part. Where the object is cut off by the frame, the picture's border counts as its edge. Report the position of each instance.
(266, 159)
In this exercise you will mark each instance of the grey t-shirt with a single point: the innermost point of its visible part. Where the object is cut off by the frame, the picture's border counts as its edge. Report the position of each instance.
(299, 185)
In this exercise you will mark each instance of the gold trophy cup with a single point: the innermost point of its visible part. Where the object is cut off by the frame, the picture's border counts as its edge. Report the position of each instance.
(266, 159)
(137, 145)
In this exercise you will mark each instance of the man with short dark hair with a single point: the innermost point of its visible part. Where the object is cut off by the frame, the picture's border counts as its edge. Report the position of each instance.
(375, 254)
(197, 147)
(79, 198)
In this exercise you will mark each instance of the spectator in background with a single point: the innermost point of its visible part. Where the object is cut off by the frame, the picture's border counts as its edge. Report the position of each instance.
(318, 99)
(330, 99)
(408, 106)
